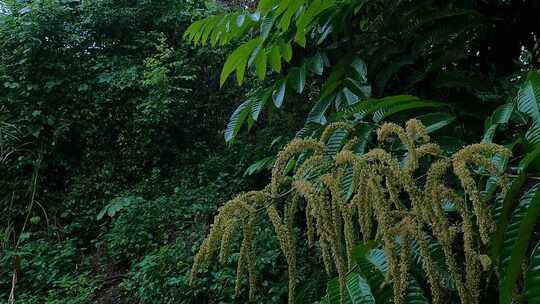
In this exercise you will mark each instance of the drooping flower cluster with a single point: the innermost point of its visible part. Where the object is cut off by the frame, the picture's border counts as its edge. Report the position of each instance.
(389, 200)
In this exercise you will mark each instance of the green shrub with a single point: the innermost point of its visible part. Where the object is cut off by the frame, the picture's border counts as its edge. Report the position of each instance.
(48, 271)
(163, 276)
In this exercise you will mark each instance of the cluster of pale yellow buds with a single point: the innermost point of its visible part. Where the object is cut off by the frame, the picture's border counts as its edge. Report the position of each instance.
(388, 200)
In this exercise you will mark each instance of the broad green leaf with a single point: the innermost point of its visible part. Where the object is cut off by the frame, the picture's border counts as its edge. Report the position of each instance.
(334, 143)
(349, 97)
(275, 58)
(316, 64)
(516, 241)
(415, 294)
(237, 60)
(304, 22)
(437, 255)
(209, 28)
(282, 6)
(297, 77)
(335, 78)
(384, 113)
(194, 27)
(359, 66)
(316, 115)
(265, 6)
(508, 202)
(260, 165)
(237, 119)
(255, 16)
(489, 133)
(259, 103)
(358, 289)
(501, 115)
(292, 7)
(532, 278)
(528, 102)
(361, 90)
(332, 293)
(279, 93)
(260, 64)
(372, 264)
(240, 20)
(266, 25)
(436, 121)
(325, 30)
(346, 182)
(367, 107)
(308, 130)
(286, 50)
(217, 33)
(240, 72)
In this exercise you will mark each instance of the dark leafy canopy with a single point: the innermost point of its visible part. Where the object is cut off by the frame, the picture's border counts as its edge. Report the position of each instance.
(107, 79)
(444, 50)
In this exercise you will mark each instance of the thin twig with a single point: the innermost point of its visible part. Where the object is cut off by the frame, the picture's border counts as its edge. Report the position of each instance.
(528, 177)
(271, 200)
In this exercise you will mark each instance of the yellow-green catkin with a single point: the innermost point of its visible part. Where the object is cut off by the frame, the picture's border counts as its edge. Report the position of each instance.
(240, 267)
(230, 228)
(348, 231)
(248, 237)
(326, 256)
(287, 247)
(427, 262)
(401, 282)
(390, 199)
(294, 147)
(477, 154)
(290, 213)
(389, 129)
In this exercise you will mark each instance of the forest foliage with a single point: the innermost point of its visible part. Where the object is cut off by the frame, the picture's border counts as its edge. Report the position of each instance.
(326, 151)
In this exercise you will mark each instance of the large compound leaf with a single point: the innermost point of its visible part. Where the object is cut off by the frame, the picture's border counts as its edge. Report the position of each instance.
(500, 116)
(260, 165)
(238, 60)
(365, 283)
(364, 108)
(436, 121)
(528, 102)
(237, 119)
(504, 211)
(332, 293)
(412, 105)
(532, 278)
(297, 77)
(437, 255)
(517, 238)
(358, 289)
(334, 143)
(317, 113)
(373, 264)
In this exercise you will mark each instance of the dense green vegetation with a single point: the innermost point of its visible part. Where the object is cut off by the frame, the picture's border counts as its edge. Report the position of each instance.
(125, 125)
